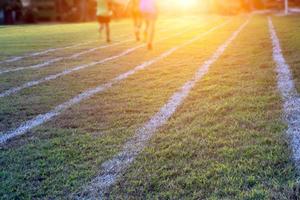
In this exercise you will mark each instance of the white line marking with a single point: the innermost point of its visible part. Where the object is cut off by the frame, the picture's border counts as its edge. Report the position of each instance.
(289, 95)
(79, 67)
(18, 58)
(76, 55)
(54, 60)
(42, 118)
(113, 168)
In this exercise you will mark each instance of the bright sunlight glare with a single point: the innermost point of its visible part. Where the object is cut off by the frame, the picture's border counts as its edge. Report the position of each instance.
(186, 3)
(178, 4)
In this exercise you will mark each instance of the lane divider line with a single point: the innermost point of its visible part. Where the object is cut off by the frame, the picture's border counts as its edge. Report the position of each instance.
(14, 90)
(54, 60)
(42, 118)
(290, 96)
(43, 52)
(116, 166)
(18, 58)
(74, 56)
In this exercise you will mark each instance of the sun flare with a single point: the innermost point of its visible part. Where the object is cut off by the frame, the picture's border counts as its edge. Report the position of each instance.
(186, 3)
(177, 5)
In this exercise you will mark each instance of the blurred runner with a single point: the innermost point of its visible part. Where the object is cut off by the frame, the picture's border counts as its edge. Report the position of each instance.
(104, 14)
(134, 7)
(149, 13)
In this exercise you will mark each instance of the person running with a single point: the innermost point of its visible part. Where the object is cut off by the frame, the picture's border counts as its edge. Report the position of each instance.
(149, 12)
(134, 7)
(103, 16)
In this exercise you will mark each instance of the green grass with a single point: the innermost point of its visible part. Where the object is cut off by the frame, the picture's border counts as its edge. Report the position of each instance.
(31, 38)
(68, 86)
(227, 141)
(22, 39)
(288, 32)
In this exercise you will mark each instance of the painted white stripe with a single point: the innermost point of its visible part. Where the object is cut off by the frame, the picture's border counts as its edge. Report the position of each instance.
(290, 96)
(54, 60)
(113, 168)
(18, 58)
(79, 67)
(76, 55)
(42, 118)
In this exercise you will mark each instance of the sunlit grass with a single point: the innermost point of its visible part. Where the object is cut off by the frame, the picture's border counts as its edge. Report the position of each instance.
(98, 122)
(225, 142)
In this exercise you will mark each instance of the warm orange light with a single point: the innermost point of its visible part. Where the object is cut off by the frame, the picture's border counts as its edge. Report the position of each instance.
(179, 5)
(186, 3)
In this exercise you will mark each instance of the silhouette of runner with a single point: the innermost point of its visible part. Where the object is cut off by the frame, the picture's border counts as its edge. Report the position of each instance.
(149, 12)
(104, 14)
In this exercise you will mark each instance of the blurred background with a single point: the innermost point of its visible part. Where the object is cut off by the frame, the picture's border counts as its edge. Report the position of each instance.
(33, 11)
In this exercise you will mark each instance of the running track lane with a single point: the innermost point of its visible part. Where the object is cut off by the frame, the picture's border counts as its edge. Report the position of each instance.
(114, 167)
(42, 118)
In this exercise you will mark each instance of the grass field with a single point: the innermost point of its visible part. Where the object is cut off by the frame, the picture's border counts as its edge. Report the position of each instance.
(198, 117)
